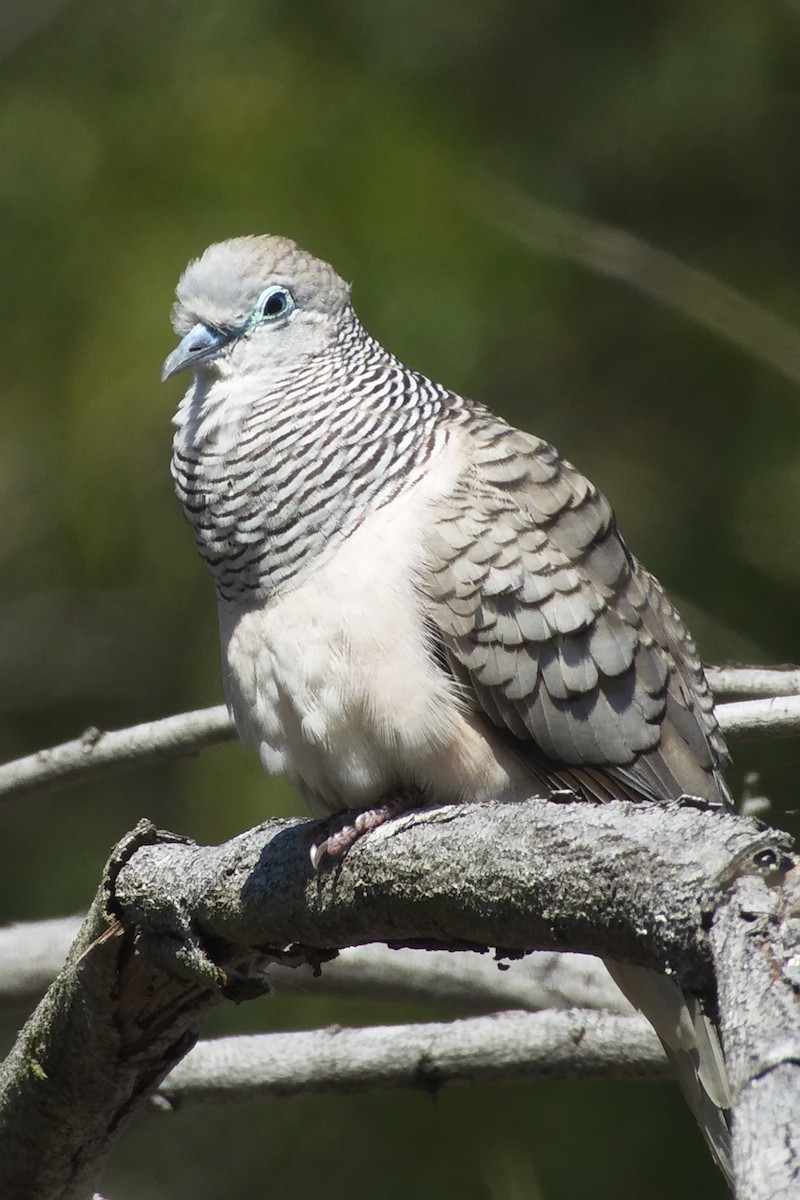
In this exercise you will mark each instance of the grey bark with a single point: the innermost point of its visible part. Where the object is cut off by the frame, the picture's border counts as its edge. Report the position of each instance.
(755, 942)
(739, 682)
(540, 875)
(108, 1030)
(578, 1044)
(188, 925)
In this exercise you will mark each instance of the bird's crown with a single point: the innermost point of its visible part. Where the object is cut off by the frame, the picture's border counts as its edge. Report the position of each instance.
(223, 285)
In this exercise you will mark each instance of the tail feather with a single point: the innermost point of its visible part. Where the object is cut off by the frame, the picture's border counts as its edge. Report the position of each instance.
(691, 1041)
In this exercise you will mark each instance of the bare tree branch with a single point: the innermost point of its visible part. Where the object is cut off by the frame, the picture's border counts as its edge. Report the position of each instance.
(576, 871)
(617, 254)
(97, 752)
(754, 681)
(558, 864)
(756, 946)
(508, 1045)
(474, 982)
(32, 954)
(190, 924)
(106, 1033)
(775, 717)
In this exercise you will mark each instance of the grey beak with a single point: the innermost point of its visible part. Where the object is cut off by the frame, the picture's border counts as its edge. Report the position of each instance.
(198, 344)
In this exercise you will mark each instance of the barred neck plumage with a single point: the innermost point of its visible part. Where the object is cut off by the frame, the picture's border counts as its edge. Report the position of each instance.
(273, 479)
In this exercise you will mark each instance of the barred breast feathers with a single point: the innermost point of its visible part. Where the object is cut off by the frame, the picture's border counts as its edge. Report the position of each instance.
(272, 477)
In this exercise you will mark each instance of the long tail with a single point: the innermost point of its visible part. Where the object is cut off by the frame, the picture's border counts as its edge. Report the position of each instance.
(691, 1041)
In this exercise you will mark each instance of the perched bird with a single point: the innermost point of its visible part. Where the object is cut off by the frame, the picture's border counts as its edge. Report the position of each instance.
(417, 599)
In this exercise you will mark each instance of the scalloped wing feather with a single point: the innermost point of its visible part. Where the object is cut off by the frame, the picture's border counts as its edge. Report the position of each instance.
(561, 636)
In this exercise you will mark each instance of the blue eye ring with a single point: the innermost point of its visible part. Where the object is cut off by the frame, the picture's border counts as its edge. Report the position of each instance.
(274, 303)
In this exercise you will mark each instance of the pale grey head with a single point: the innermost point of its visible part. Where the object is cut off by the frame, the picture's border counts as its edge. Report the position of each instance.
(253, 301)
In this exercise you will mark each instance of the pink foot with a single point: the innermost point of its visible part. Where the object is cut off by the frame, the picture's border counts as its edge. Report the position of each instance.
(344, 828)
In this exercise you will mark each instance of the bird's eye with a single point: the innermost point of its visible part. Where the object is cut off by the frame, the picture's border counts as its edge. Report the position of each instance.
(274, 302)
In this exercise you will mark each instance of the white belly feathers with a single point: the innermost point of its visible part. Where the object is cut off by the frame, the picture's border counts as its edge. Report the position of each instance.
(333, 683)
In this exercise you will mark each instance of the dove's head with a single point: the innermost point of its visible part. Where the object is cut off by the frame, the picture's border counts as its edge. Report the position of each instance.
(255, 303)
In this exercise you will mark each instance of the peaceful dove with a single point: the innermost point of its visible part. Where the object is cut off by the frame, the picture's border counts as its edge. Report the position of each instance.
(417, 599)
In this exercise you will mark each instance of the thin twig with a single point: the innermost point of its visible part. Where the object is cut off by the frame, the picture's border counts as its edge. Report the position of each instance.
(617, 254)
(775, 717)
(752, 682)
(32, 954)
(470, 981)
(509, 1045)
(95, 752)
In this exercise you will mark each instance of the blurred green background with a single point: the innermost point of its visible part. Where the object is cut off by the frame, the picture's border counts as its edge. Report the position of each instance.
(383, 136)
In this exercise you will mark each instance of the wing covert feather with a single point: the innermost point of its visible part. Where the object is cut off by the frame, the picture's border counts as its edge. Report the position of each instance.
(563, 637)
